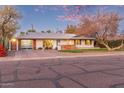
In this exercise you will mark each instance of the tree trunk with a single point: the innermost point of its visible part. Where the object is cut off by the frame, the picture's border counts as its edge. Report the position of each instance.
(3, 36)
(3, 29)
(108, 48)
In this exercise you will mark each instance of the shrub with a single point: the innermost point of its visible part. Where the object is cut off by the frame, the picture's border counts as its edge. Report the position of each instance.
(3, 51)
(111, 43)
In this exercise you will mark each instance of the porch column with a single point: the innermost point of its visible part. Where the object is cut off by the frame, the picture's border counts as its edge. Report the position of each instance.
(9, 45)
(92, 43)
(17, 48)
(19, 44)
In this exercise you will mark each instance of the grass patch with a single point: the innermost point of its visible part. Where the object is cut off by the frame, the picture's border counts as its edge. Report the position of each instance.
(85, 50)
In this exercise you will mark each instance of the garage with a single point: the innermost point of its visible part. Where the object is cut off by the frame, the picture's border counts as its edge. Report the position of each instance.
(26, 44)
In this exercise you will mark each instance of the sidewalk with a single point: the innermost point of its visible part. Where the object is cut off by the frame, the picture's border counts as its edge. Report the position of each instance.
(67, 55)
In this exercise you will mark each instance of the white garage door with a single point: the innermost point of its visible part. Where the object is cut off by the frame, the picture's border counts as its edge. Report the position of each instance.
(26, 44)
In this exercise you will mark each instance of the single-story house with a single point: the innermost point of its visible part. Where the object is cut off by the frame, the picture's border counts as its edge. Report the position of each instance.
(59, 41)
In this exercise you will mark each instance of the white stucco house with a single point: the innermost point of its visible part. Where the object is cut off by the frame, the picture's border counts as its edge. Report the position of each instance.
(59, 41)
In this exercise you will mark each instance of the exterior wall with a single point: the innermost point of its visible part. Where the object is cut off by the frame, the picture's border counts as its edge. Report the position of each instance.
(87, 46)
(13, 45)
(63, 44)
(39, 44)
(58, 44)
(78, 46)
(83, 45)
(66, 42)
(54, 44)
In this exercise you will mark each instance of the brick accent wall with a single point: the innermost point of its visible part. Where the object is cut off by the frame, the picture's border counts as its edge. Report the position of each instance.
(68, 47)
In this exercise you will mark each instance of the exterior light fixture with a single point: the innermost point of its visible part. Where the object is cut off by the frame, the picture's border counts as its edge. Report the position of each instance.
(13, 40)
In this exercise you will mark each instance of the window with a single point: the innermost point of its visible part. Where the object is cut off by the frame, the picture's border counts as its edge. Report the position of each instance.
(58, 42)
(88, 42)
(78, 42)
(71, 42)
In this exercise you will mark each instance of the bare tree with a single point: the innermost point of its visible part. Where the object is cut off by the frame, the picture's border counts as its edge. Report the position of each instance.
(8, 22)
(103, 26)
(71, 29)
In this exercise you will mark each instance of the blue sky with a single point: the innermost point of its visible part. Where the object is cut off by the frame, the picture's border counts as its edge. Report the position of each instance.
(57, 17)
(43, 18)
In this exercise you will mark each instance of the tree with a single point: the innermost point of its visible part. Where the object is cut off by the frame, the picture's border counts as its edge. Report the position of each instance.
(31, 30)
(102, 26)
(60, 31)
(71, 29)
(22, 33)
(42, 31)
(48, 31)
(9, 17)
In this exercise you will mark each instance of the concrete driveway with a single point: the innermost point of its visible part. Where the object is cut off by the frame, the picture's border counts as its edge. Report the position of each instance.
(77, 72)
(34, 53)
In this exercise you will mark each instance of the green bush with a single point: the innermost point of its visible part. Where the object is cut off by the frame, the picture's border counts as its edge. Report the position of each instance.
(115, 43)
(111, 43)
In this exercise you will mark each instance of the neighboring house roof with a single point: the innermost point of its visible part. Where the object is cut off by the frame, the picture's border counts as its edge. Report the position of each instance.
(39, 35)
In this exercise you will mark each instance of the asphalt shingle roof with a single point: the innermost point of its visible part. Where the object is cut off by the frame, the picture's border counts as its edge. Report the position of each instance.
(38, 35)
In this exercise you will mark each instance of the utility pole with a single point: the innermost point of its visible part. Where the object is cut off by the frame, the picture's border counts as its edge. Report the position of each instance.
(56, 30)
(32, 26)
